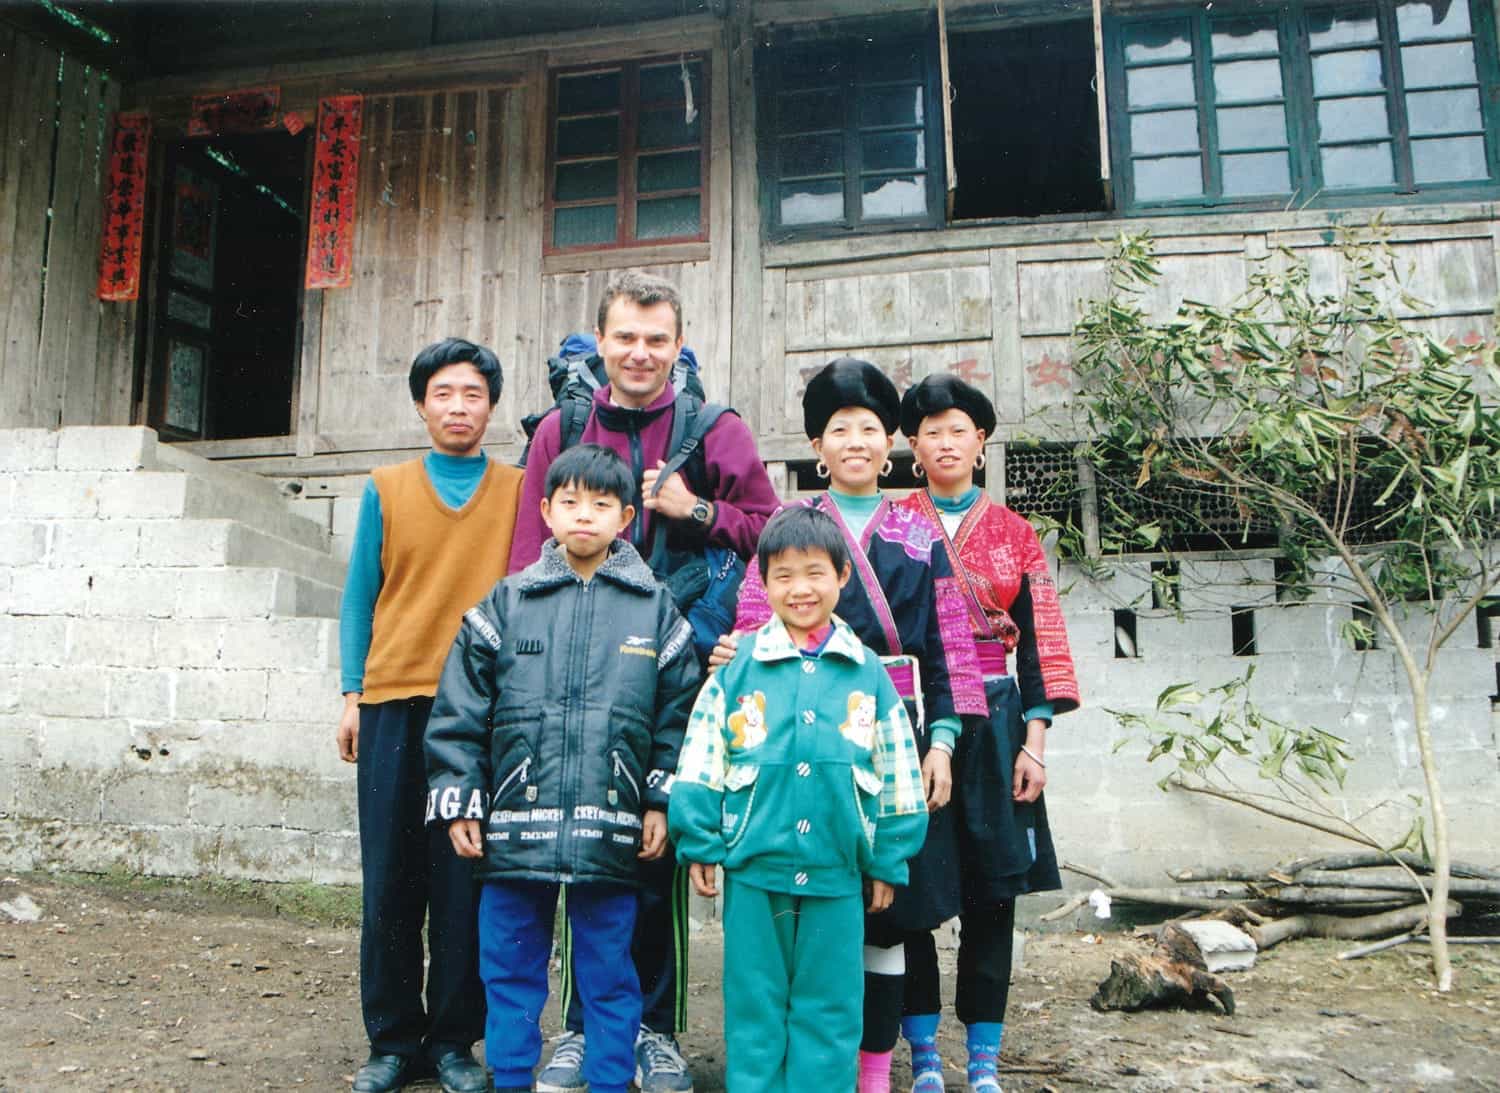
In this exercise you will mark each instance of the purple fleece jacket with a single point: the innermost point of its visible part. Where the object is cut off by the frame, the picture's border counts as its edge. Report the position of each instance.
(737, 483)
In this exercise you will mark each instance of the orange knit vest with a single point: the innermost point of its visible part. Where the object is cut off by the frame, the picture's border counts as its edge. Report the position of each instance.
(437, 563)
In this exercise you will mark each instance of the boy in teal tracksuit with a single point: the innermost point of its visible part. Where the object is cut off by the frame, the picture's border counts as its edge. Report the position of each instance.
(799, 776)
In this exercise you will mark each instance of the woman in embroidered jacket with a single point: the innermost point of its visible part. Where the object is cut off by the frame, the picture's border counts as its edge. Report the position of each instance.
(1004, 841)
(904, 603)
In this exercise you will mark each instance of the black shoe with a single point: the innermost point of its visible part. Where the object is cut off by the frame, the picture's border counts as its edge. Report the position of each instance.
(386, 1073)
(457, 1072)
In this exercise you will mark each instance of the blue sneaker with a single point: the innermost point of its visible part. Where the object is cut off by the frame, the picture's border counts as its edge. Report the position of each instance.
(659, 1065)
(564, 1071)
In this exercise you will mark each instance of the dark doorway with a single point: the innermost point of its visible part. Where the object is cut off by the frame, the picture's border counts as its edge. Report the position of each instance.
(1025, 121)
(227, 299)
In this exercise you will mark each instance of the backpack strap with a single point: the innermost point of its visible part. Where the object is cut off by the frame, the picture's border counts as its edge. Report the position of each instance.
(574, 411)
(690, 424)
(691, 421)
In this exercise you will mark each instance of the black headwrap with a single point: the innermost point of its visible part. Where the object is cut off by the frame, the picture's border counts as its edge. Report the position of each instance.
(848, 382)
(940, 392)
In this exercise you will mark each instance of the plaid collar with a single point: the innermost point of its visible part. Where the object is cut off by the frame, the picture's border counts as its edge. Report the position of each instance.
(772, 642)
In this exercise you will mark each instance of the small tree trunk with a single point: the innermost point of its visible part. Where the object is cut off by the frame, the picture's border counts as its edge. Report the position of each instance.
(1437, 906)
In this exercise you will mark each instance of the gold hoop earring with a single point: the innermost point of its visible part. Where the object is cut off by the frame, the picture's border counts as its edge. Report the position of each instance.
(917, 470)
(820, 469)
(885, 472)
(979, 462)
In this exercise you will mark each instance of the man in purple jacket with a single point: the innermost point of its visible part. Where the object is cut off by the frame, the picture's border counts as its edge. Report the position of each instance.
(640, 338)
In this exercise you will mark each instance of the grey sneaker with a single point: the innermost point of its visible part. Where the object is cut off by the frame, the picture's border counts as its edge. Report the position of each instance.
(659, 1065)
(564, 1071)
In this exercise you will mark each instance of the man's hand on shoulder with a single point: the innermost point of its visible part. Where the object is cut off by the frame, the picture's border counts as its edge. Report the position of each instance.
(348, 730)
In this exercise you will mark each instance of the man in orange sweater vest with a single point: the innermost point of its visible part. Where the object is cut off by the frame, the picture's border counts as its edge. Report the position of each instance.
(433, 538)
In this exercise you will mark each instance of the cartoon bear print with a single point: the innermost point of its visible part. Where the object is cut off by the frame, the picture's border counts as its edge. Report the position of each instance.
(749, 723)
(859, 727)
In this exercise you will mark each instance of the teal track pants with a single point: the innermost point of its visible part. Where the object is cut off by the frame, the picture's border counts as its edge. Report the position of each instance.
(793, 990)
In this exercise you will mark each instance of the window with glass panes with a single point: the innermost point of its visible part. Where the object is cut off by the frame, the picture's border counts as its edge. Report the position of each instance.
(1304, 102)
(850, 136)
(627, 155)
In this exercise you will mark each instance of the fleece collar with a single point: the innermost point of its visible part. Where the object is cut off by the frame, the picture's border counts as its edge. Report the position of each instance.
(623, 567)
(772, 642)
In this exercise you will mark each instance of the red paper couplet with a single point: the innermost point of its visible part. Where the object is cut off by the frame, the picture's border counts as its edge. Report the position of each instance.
(124, 209)
(330, 235)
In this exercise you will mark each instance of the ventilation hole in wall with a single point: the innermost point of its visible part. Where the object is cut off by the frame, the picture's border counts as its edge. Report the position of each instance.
(1283, 570)
(1125, 643)
(1362, 614)
(1485, 619)
(1242, 630)
(1166, 586)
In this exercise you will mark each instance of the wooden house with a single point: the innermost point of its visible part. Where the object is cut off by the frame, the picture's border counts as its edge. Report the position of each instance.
(792, 164)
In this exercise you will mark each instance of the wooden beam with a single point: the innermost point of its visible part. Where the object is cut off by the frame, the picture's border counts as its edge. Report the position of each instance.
(752, 354)
(481, 63)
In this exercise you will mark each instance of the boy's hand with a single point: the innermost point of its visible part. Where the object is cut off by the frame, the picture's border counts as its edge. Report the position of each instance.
(878, 895)
(653, 835)
(937, 778)
(723, 651)
(465, 836)
(702, 877)
(348, 731)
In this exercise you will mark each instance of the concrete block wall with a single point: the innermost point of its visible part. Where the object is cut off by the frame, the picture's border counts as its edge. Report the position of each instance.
(168, 666)
(1104, 805)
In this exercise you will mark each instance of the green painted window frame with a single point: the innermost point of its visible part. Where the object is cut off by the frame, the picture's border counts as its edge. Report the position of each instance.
(1291, 21)
(842, 46)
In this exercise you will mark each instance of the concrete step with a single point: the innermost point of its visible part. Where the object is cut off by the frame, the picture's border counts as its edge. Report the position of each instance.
(205, 542)
(230, 592)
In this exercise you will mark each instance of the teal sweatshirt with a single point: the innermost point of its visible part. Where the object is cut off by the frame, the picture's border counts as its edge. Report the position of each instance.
(799, 773)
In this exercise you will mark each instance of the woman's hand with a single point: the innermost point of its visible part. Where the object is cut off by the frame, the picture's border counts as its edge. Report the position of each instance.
(937, 778)
(723, 651)
(878, 895)
(1029, 775)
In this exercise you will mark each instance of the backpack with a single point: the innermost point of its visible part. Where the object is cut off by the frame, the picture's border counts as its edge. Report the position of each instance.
(577, 372)
(705, 581)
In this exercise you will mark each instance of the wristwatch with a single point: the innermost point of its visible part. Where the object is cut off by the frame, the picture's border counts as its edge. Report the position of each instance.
(702, 513)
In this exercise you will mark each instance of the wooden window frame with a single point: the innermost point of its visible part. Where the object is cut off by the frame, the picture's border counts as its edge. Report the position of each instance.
(1290, 19)
(768, 126)
(627, 196)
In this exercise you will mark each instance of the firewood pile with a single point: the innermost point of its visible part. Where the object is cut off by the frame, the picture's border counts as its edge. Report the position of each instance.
(1226, 916)
(1357, 896)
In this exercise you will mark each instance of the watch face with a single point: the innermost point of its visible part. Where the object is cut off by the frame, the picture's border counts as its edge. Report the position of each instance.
(700, 512)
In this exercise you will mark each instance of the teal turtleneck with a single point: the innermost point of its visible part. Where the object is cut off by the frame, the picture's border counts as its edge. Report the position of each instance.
(956, 505)
(856, 509)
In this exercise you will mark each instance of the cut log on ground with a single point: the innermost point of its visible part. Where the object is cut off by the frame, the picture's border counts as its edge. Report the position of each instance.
(1138, 982)
(1393, 879)
(1345, 928)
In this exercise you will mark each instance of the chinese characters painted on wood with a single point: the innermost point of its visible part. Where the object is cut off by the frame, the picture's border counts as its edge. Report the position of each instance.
(330, 234)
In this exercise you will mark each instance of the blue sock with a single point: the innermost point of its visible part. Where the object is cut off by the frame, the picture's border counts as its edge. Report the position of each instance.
(921, 1033)
(984, 1047)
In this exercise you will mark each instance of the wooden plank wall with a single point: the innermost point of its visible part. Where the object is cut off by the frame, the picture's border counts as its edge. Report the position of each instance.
(434, 257)
(1002, 316)
(65, 357)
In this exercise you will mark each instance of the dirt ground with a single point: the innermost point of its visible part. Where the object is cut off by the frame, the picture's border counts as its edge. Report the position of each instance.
(123, 986)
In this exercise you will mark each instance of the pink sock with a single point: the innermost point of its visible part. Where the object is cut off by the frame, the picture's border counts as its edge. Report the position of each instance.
(875, 1072)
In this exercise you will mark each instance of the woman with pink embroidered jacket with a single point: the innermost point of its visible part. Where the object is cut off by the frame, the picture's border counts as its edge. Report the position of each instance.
(904, 602)
(1005, 843)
